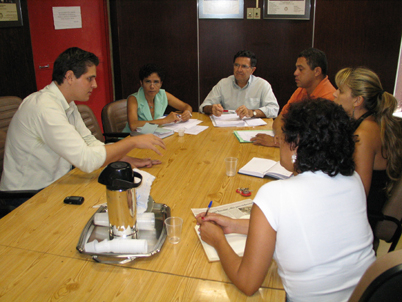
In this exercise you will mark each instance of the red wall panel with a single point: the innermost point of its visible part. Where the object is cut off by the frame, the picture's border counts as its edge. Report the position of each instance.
(48, 43)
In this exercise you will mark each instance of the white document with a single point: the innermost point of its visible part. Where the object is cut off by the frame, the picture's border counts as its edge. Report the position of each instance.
(195, 130)
(187, 125)
(233, 120)
(246, 135)
(237, 210)
(67, 17)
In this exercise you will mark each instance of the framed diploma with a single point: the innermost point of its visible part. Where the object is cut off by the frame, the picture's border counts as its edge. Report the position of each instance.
(221, 9)
(10, 13)
(293, 9)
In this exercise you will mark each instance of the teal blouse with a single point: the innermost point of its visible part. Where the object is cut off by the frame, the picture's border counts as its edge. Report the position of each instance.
(144, 112)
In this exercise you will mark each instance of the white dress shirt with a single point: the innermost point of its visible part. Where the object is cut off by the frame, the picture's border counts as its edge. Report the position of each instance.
(257, 94)
(45, 138)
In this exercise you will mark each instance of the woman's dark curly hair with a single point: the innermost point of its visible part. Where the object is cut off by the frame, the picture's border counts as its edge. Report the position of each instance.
(323, 134)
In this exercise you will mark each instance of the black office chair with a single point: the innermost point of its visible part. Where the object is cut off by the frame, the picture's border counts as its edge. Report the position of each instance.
(382, 281)
(388, 227)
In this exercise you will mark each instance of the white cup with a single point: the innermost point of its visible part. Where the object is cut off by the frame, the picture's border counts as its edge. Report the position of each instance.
(231, 164)
(181, 131)
(173, 228)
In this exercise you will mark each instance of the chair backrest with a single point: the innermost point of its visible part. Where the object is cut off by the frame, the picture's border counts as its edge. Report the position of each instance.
(8, 106)
(114, 116)
(382, 281)
(389, 229)
(90, 121)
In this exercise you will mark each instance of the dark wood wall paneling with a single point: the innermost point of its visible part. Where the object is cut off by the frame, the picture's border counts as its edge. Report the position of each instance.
(351, 32)
(160, 32)
(16, 60)
(275, 43)
(361, 33)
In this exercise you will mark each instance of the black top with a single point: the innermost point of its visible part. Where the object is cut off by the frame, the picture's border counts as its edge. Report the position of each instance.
(377, 195)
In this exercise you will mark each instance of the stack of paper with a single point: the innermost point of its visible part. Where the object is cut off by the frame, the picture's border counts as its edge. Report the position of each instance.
(233, 120)
(190, 126)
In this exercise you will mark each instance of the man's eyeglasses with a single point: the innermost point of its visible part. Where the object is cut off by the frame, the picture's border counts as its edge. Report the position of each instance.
(235, 65)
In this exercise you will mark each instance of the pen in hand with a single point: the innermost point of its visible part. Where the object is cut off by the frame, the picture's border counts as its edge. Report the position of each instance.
(209, 206)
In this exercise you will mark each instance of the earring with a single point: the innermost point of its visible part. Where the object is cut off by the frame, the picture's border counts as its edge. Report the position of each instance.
(294, 157)
(353, 113)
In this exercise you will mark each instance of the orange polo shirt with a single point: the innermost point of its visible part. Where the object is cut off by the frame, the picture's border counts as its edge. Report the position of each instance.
(323, 90)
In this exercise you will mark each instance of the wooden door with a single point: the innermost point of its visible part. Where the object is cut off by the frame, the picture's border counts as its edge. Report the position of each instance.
(48, 43)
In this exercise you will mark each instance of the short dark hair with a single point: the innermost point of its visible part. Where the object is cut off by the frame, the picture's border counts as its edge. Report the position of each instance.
(148, 69)
(246, 54)
(323, 134)
(74, 59)
(315, 58)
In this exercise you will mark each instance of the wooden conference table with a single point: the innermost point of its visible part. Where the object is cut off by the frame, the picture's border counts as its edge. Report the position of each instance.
(38, 256)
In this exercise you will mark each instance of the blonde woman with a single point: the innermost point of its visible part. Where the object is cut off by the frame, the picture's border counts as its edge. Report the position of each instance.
(378, 153)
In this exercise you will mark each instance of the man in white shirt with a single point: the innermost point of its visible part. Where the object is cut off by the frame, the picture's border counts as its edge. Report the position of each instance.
(47, 135)
(248, 95)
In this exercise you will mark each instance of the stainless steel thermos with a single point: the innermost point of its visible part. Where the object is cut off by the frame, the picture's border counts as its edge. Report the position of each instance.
(121, 199)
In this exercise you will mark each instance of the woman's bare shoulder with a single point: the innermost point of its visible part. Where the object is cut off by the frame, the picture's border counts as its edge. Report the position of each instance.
(132, 98)
(369, 132)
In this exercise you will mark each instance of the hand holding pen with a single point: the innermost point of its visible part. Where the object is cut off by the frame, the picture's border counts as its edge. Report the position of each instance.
(217, 109)
(209, 206)
(173, 117)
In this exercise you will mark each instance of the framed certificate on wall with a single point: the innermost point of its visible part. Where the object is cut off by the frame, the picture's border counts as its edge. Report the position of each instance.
(10, 13)
(293, 10)
(221, 9)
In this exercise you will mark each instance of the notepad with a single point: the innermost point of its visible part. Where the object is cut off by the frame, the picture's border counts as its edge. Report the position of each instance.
(236, 241)
(236, 210)
(244, 136)
(261, 167)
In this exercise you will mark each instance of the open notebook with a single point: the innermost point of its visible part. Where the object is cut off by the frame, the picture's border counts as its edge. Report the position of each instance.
(261, 167)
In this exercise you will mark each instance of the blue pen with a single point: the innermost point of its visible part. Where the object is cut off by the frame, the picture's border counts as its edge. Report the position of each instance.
(209, 206)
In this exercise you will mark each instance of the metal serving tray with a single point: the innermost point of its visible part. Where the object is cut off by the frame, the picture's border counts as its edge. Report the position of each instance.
(155, 238)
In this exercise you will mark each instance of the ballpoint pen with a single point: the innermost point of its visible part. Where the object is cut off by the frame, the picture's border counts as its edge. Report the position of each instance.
(179, 116)
(209, 206)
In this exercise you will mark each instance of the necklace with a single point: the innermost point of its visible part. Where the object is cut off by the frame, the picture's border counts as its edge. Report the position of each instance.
(150, 106)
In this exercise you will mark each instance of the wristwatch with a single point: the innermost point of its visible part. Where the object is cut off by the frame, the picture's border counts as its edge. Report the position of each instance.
(254, 113)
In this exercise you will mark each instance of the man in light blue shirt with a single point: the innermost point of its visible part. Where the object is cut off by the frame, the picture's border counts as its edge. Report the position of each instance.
(248, 95)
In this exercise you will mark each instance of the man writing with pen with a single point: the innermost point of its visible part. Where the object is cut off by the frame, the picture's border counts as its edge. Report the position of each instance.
(242, 92)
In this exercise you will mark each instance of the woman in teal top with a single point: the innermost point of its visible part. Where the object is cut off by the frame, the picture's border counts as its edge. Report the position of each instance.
(150, 102)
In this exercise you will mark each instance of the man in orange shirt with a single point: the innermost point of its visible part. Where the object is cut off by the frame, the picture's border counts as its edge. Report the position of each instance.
(312, 79)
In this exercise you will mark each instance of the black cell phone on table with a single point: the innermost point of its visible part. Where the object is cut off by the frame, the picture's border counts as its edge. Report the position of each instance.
(74, 200)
